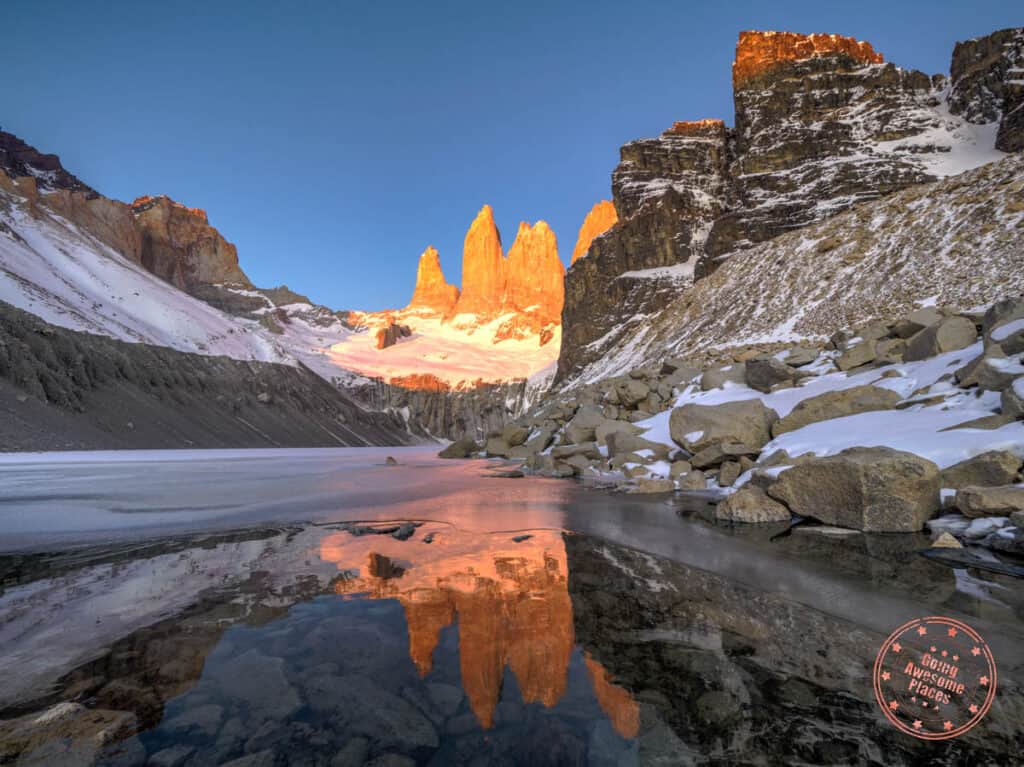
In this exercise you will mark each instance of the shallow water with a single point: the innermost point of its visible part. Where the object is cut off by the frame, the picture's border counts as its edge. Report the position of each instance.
(228, 607)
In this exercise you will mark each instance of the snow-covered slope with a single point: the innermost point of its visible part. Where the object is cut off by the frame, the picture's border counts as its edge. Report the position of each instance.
(465, 348)
(68, 278)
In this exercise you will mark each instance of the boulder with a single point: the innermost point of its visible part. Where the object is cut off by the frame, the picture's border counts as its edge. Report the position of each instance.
(729, 473)
(996, 467)
(587, 449)
(647, 485)
(946, 541)
(540, 441)
(751, 504)
(696, 427)
(582, 426)
(514, 434)
(716, 454)
(874, 489)
(717, 378)
(918, 321)
(1003, 325)
(497, 447)
(632, 392)
(873, 331)
(765, 372)
(610, 426)
(890, 351)
(460, 448)
(623, 442)
(990, 501)
(949, 335)
(799, 356)
(855, 356)
(1012, 399)
(836, 404)
(693, 480)
(975, 371)
(678, 468)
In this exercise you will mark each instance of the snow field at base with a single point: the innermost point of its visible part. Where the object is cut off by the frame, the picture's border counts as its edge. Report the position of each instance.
(920, 429)
(460, 350)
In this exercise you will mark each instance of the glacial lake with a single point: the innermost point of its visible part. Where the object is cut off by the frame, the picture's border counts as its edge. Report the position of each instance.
(319, 607)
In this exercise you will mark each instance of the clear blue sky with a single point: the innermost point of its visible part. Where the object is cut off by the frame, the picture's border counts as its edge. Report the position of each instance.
(333, 141)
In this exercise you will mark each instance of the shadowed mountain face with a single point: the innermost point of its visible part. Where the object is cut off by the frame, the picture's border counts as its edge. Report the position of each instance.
(822, 123)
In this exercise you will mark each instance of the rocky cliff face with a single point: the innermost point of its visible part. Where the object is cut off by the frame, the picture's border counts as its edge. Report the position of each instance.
(434, 408)
(432, 291)
(483, 266)
(988, 84)
(599, 220)
(821, 124)
(180, 246)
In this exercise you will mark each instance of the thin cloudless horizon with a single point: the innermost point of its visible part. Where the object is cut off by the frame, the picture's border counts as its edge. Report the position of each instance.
(332, 142)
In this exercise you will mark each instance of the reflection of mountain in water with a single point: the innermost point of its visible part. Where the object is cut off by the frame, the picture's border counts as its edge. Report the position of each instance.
(510, 601)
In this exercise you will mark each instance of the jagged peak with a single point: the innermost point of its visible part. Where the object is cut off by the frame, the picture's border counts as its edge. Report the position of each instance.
(759, 51)
(598, 220)
(147, 201)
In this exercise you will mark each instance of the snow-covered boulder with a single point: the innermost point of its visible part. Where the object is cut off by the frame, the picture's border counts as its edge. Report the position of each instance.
(989, 469)
(696, 427)
(836, 404)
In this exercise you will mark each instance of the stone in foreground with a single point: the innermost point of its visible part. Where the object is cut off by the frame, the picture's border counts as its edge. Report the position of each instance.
(697, 427)
(836, 404)
(990, 501)
(751, 504)
(874, 489)
(996, 467)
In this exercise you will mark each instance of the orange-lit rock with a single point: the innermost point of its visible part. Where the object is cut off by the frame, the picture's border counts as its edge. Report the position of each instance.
(180, 246)
(483, 267)
(510, 600)
(708, 128)
(534, 273)
(432, 290)
(599, 220)
(759, 52)
(420, 382)
(615, 701)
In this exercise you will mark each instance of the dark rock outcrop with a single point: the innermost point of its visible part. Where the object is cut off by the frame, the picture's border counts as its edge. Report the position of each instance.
(821, 124)
(18, 160)
(392, 334)
(436, 409)
(61, 389)
(987, 76)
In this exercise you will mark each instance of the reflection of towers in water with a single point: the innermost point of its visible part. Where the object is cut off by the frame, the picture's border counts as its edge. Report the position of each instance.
(511, 602)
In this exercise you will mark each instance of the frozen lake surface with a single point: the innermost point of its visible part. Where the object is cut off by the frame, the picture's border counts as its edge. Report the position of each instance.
(204, 606)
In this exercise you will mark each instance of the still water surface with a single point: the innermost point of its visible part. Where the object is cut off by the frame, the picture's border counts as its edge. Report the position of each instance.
(260, 606)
